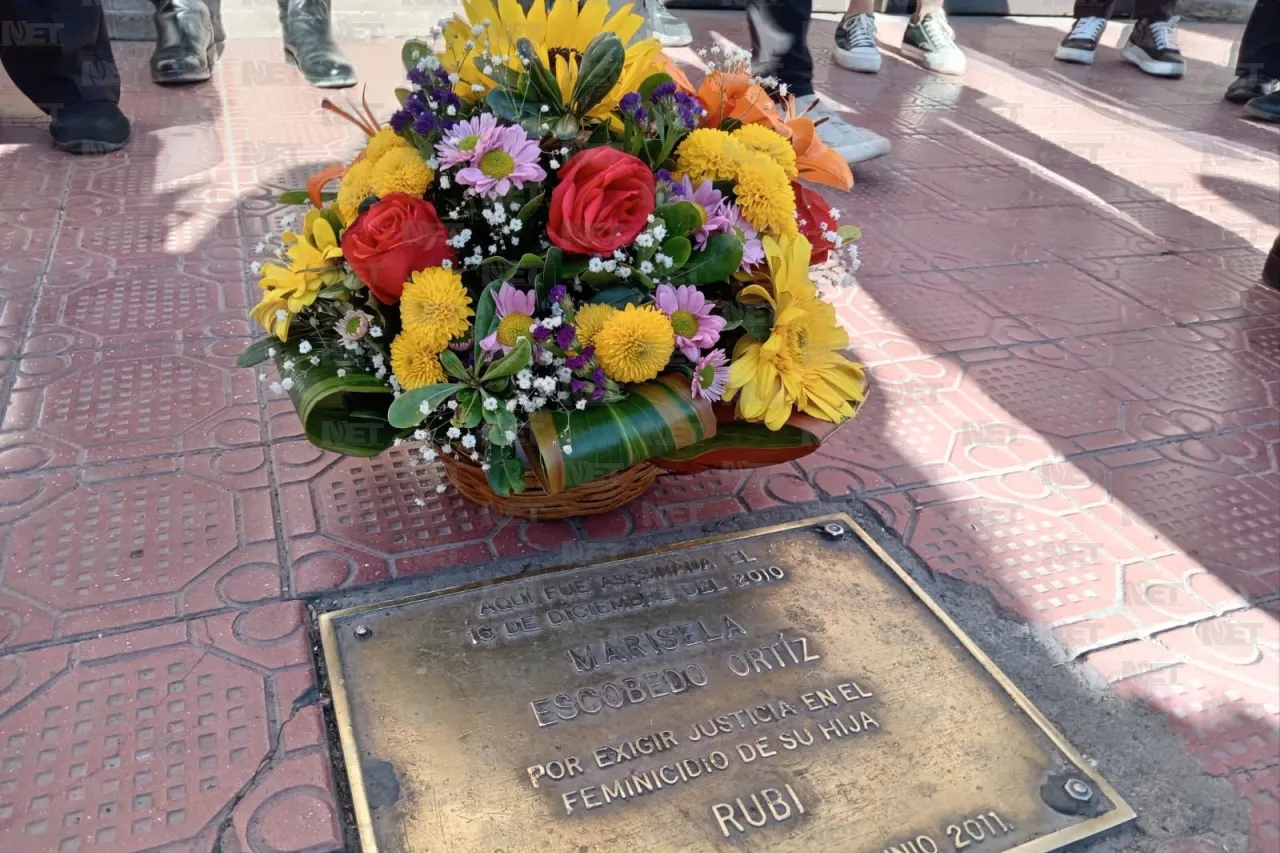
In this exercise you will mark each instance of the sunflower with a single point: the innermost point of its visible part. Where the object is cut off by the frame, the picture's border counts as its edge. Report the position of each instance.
(801, 365)
(435, 301)
(272, 314)
(356, 186)
(316, 253)
(590, 319)
(710, 155)
(635, 344)
(415, 359)
(400, 170)
(762, 140)
(383, 141)
(559, 37)
(764, 195)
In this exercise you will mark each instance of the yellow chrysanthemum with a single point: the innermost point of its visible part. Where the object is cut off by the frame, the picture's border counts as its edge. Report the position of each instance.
(356, 186)
(590, 319)
(383, 141)
(559, 36)
(415, 359)
(801, 365)
(401, 170)
(708, 154)
(764, 140)
(764, 196)
(635, 344)
(435, 301)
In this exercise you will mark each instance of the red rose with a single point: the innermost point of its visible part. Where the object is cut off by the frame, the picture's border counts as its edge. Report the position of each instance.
(393, 239)
(603, 201)
(813, 214)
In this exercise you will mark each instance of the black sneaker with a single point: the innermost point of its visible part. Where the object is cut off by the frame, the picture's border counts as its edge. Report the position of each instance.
(1249, 86)
(91, 127)
(1081, 43)
(1153, 47)
(1271, 269)
(931, 42)
(1266, 107)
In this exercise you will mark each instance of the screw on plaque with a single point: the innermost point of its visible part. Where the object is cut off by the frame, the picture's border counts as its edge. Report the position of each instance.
(363, 632)
(1079, 790)
(833, 530)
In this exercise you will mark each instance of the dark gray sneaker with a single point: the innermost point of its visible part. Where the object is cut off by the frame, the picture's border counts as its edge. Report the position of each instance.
(931, 42)
(1153, 47)
(1081, 44)
(1249, 86)
(90, 127)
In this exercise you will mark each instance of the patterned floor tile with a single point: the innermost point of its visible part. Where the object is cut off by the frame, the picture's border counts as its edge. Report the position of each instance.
(111, 546)
(1180, 288)
(133, 402)
(151, 740)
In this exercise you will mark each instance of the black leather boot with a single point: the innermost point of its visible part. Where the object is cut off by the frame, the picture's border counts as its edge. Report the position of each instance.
(189, 40)
(309, 44)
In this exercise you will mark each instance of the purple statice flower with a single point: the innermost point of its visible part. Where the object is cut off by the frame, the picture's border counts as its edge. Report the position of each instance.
(425, 124)
(564, 336)
(598, 394)
(459, 145)
(400, 120)
(582, 359)
(578, 385)
(504, 158)
(597, 376)
(690, 314)
(665, 90)
(420, 77)
(514, 312)
(541, 333)
(710, 376)
(629, 103)
(689, 110)
(558, 294)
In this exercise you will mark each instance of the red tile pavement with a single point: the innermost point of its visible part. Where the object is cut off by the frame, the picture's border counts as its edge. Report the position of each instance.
(1076, 404)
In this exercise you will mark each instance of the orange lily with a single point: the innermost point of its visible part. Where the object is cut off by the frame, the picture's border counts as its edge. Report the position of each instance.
(815, 161)
(363, 119)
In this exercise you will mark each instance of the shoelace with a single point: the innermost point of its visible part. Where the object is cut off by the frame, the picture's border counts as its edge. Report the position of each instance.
(1088, 28)
(937, 29)
(1164, 35)
(861, 30)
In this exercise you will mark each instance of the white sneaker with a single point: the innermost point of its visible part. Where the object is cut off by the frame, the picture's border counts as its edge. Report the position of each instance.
(854, 144)
(856, 47)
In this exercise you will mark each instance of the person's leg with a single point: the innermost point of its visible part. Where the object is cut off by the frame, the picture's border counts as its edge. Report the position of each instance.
(856, 47)
(1258, 65)
(188, 41)
(930, 40)
(1153, 42)
(1081, 43)
(58, 54)
(309, 44)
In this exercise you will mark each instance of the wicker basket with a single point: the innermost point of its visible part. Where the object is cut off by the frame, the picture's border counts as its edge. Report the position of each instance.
(598, 496)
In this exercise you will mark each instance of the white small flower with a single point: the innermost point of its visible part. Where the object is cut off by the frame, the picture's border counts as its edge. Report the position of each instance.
(581, 404)
(453, 77)
(470, 44)
(342, 371)
(511, 435)
(619, 255)
(453, 432)
(256, 267)
(468, 441)
(376, 331)
(419, 435)
(544, 109)
(453, 405)
(429, 454)
(282, 315)
(451, 110)
(286, 383)
(646, 267)
(276, 388)
(419, 502)
(664, 260)
(567, 449)
(424, 407)
(271, 351)
(397, 441)
(782, 89)
(610, 265)
(511, 405)
(485, 466)
(446, 450)
(440, 489)
(595, 265)
(659, 231)
(315, 359)
(288, 364)
(446, 264)
(644, 240)
(562, 396)
(490, 404)
(444, 182)
(835, 214)
(555, 164)
(650, 218)
(624, 272)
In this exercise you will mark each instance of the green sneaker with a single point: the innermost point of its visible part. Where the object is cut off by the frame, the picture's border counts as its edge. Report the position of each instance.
(931, 42)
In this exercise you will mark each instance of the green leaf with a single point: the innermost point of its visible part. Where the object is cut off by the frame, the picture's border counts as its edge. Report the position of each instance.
(541, 81)
(717, 262)
(500, 417)
(551, 268)
(729, 125)
(511, 363)
(503, 75)
(453, 366)
(402, 95)
(742, 445)
(342, 414)
(652, 82)
(653, 419)
(567, 127)
(849, 232)
(531, 207)
(505, 474)
(600, 135)
(498, 436)
(413, 52)
(258, 352)
(470, 409)
(486, 319)
(618, 297)
(506, 104)
(757, 321)
(598, 71)
(300, 197)
(678, 249)
(682, 218)
(407, 412)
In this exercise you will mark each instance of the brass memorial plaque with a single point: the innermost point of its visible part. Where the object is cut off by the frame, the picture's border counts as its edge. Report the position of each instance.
(785, 690)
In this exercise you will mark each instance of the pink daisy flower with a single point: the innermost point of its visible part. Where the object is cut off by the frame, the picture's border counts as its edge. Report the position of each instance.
(515, 318)
(752, 246)
(503, 158)
(710, 375)
(706, 196)
(459, 144)
(695, 326)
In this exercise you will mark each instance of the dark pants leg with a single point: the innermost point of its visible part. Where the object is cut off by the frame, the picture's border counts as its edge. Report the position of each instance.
(1146, 10)
(57, 51)
(780, 42)
(1260, 47)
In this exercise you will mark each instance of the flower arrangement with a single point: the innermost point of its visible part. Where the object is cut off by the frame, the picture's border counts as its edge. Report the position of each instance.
(561, 257)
